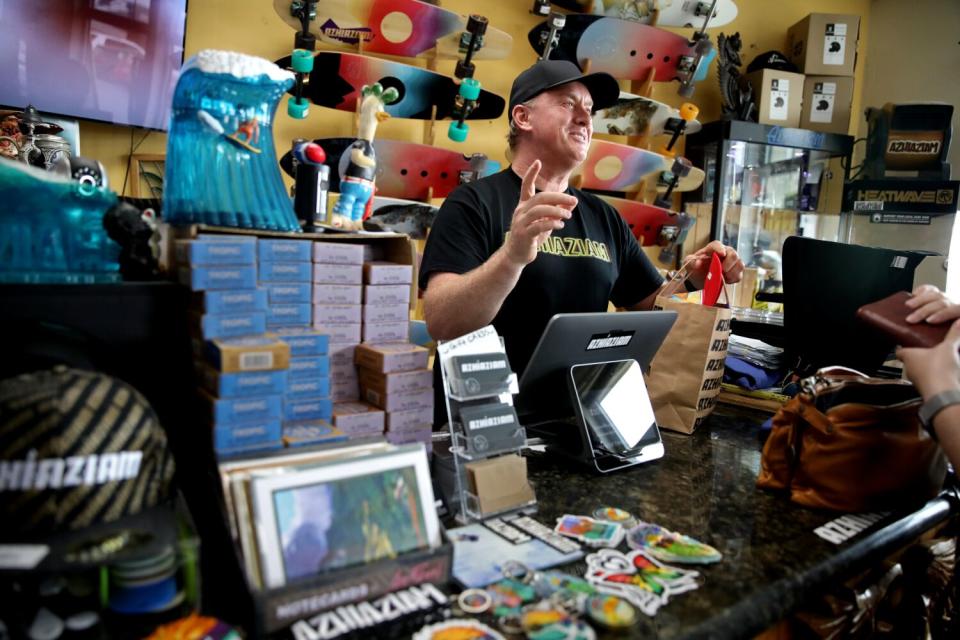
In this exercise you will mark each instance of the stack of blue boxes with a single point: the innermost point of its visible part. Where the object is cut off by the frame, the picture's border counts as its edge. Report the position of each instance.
(242, 371)
(286, 272)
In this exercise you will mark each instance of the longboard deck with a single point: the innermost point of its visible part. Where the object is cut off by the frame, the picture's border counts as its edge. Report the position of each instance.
(404, 169)
(624, 49)
(337, 79)
(673, 13)
(646, 221)
(401, 216)
(396, 27)
(617, 167)
(636, 116)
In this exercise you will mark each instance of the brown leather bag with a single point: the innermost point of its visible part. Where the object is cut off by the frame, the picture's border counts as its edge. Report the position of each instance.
(849, 442)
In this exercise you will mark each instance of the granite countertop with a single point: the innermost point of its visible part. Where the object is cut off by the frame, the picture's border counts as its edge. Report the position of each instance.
(705, 487)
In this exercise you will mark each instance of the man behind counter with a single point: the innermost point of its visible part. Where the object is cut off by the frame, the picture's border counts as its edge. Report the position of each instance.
(517, 247)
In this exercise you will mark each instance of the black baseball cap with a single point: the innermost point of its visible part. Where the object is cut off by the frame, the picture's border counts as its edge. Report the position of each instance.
(772, 60)
(547, 74)
(84, 464)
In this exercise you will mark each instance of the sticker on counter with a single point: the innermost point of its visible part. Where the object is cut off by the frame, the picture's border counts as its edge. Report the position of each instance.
(669, 546)
(612, 514)
(834, 43)
(546, 534)
(638, 578)
(589, 531)
(822, 101)
(845, 527)
(779, 99)
(457, 629)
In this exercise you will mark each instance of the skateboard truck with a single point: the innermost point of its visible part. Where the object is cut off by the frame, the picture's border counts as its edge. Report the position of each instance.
(550, 39)
(304, 11)
(478, 162)
(679, 169)
(540, 8)
(687, 65)
(469, 92)
(688, 112)
(672, 236)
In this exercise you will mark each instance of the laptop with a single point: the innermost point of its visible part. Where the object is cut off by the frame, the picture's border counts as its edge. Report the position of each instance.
(584, 338)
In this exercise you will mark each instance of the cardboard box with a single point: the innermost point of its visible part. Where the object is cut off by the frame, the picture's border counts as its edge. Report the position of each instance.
(344, 389)
(309, 367)
(824, 44)
(357, 417)
(269, 250)
(337, 314)
(217, 250)
(306, 388)
(384, 313)
(288, 315)
(390, 357)
(307, 409)
(339, 253)
(229, 325)
(247, 383)
(386, 294)
(387, 273)
(411, 419)
(340, 333)
(398, 382)
(308, 432)
(246, 435)
(339, 293)
(202, 278)
(778, 95)
(223, 412)
(386, 332)
(248, 353)
(342, 354)
(305, 342)
(500, 483)
(284, 272)
(337, 274)
(827, 101)
(289, 292)
(229, 301)
(402, 401)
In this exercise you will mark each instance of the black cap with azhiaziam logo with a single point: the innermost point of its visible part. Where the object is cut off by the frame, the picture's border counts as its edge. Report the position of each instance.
(548, 74)
(84, 468)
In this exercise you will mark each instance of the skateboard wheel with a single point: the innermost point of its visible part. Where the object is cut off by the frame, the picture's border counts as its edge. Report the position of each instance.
(689, 111)
(470, 89)
(298, 109)
(458, 132)
(465, 69)
(302, 61)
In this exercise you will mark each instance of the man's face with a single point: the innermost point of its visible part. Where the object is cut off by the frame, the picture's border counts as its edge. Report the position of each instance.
(561, 121)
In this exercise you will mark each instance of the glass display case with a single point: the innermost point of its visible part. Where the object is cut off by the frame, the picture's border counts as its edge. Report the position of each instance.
(764, 184)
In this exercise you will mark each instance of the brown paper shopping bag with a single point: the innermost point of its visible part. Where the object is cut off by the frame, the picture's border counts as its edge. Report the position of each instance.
(686, 373)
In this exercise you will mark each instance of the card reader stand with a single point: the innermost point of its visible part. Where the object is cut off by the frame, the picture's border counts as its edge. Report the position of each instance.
(478, 385)
(613, 426)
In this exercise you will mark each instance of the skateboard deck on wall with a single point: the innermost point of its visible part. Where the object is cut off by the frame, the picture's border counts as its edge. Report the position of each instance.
(672, 13)
(405, 169)
(648, 221)
(624, 49)
(636, 116)
(337, 79)
(395, 27)
(617, 167)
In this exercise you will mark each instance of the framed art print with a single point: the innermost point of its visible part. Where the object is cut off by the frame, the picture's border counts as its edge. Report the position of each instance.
(343, 513)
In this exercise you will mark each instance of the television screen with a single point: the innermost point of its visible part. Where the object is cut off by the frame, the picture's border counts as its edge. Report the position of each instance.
(110, 60)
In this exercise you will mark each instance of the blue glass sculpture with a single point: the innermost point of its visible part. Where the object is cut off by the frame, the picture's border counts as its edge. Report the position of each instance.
(51, 229)
(221, 166)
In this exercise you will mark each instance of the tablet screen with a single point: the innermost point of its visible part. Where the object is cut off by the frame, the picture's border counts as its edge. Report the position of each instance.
(615, 405)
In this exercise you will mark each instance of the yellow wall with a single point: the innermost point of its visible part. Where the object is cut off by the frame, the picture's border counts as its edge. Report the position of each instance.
(251, 26)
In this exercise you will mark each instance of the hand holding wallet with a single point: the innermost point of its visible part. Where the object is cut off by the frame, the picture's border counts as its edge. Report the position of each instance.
(889, 317)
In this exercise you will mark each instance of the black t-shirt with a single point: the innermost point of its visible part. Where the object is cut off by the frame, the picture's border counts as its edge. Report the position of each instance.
(592, 260)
